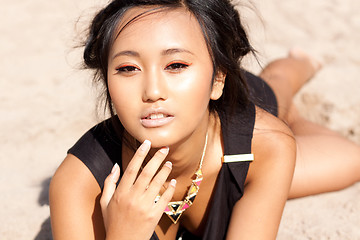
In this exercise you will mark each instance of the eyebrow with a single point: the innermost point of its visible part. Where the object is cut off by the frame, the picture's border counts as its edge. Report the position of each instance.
(126, 53)
(175, 50)
(166, 52)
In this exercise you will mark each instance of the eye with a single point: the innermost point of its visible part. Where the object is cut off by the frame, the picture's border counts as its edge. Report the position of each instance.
(127, 69)
(177, 66)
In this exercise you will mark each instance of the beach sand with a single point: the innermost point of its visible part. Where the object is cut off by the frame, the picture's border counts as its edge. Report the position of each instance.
(47, 103)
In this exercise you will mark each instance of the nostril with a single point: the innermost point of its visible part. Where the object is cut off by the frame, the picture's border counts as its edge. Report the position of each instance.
(154, 93)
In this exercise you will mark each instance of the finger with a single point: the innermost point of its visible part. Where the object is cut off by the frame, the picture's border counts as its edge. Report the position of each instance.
(166, 196)
(133, 168)
(159, 180)
(109, 188)
(150, 169)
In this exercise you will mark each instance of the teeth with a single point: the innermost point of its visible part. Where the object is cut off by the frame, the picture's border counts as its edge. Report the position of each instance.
(156, 116)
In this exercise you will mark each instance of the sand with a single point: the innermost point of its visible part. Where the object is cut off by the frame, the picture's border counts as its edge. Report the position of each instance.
(47, 103)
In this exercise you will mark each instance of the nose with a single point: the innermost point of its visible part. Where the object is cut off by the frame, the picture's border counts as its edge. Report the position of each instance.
(155, 87)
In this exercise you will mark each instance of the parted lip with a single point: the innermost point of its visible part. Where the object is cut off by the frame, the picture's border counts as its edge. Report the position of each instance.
(148, 112)
(155, 121)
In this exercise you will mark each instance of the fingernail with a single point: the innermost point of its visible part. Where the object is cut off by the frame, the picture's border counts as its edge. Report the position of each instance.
(146, 145)
(168, 164)
(114, 169)
(173, 182)
(164, 150)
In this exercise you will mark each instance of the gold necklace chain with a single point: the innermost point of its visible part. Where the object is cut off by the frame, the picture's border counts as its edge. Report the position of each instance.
(175, 209)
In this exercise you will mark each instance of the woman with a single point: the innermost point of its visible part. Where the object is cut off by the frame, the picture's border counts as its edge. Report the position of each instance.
(184, 125)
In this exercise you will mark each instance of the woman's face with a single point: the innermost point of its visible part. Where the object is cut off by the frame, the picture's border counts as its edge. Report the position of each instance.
(160, 77)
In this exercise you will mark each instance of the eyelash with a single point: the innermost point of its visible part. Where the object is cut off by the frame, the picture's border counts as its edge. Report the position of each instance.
(173, 66)
(126, 69)
(177, 66)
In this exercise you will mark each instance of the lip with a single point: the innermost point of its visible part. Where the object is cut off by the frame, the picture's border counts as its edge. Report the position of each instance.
(157, 122)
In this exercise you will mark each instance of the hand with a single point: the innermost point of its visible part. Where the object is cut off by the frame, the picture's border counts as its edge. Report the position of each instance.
(130, 211)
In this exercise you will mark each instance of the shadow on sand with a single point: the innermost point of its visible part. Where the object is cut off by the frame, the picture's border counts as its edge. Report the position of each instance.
(45, 230)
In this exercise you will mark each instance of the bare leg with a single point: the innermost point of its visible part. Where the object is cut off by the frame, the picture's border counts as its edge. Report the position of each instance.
(326, 161)
(286, 77)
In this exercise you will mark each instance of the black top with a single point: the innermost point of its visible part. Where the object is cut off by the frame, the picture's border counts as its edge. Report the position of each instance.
(100, 148)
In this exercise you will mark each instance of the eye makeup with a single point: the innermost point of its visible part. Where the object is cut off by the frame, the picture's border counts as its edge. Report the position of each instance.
(177, 66)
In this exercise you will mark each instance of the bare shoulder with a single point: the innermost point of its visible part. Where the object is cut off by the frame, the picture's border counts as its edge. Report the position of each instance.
(73, 178)
(74, 201)
(273, 144)
(271, 136)
(270, 126)
(73, 171)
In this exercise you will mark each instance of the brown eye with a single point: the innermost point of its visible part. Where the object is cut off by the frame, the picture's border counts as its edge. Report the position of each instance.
(177, 66)
(126, 69)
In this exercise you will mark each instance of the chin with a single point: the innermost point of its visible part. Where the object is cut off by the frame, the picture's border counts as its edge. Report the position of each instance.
(157, 139)
(161, 141)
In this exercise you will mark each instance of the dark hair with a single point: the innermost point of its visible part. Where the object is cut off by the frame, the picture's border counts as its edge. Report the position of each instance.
(224, 34)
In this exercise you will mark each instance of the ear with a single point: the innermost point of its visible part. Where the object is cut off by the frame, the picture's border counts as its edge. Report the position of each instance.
(218, 85)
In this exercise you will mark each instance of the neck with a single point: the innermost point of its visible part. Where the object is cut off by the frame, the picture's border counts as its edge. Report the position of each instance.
(186, 155)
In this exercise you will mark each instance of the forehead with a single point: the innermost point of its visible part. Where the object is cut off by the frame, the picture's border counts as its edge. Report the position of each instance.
(159, 26)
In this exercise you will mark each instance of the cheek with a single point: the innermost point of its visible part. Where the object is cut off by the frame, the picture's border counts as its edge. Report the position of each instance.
(122, 97)
(122, 90)
(125, 104)
(195, 91)
(115, 92)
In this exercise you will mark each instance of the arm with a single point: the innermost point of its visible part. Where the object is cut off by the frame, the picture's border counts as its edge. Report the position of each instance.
(74, 202)
(258, 213)
(77, 210)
